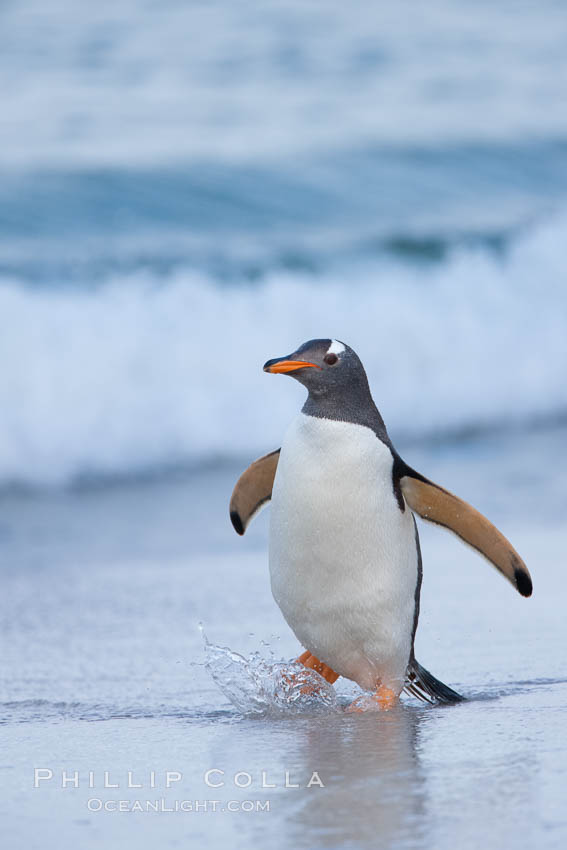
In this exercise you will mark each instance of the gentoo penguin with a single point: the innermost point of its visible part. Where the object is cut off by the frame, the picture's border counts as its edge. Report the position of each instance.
(345, 561)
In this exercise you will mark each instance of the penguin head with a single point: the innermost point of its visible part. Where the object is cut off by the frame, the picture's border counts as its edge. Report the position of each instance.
(323, 366)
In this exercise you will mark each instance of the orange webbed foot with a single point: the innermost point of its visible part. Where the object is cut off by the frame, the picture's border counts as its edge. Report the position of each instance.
(382, 700)
(309, 660)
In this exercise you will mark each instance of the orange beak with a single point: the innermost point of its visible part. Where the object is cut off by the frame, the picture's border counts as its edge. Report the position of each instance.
(283, 365)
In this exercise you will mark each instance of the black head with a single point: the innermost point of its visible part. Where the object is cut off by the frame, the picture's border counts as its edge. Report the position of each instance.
(322, 365)
(336, 381)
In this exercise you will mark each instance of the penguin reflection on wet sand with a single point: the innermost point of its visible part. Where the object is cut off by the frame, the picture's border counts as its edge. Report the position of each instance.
(345, 561)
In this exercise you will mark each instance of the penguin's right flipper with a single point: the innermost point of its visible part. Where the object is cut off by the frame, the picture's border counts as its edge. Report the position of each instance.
(421, 684)
(252, 490)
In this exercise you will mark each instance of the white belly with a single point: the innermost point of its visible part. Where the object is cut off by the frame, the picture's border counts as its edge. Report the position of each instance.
(343, 556)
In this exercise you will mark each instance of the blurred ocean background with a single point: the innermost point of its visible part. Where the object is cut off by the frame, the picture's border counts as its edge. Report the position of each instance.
(186, 190)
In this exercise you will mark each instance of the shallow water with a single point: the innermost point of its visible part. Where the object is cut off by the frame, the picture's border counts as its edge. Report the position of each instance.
(104, 670)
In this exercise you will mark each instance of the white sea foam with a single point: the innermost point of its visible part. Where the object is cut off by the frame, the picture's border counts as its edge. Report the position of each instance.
(140, 374)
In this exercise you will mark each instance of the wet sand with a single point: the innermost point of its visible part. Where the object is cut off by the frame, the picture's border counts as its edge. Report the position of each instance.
(103, 591)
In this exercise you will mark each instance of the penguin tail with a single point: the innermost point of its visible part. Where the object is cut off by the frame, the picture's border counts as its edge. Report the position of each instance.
(421, 684)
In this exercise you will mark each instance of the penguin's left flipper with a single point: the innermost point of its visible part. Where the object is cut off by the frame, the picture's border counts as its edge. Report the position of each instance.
(253, 490)
(437, 505)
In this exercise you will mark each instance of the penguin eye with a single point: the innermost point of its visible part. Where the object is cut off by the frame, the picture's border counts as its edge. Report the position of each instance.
(330, 359)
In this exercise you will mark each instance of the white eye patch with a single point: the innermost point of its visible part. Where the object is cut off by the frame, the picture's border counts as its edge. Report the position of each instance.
(335, 347)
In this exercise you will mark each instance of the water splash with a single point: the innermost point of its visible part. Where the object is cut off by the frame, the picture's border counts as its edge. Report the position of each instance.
(260, 686)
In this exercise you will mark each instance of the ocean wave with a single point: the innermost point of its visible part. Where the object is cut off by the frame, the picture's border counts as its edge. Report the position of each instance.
(116, 82)
(238, 220)
(147, 371)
